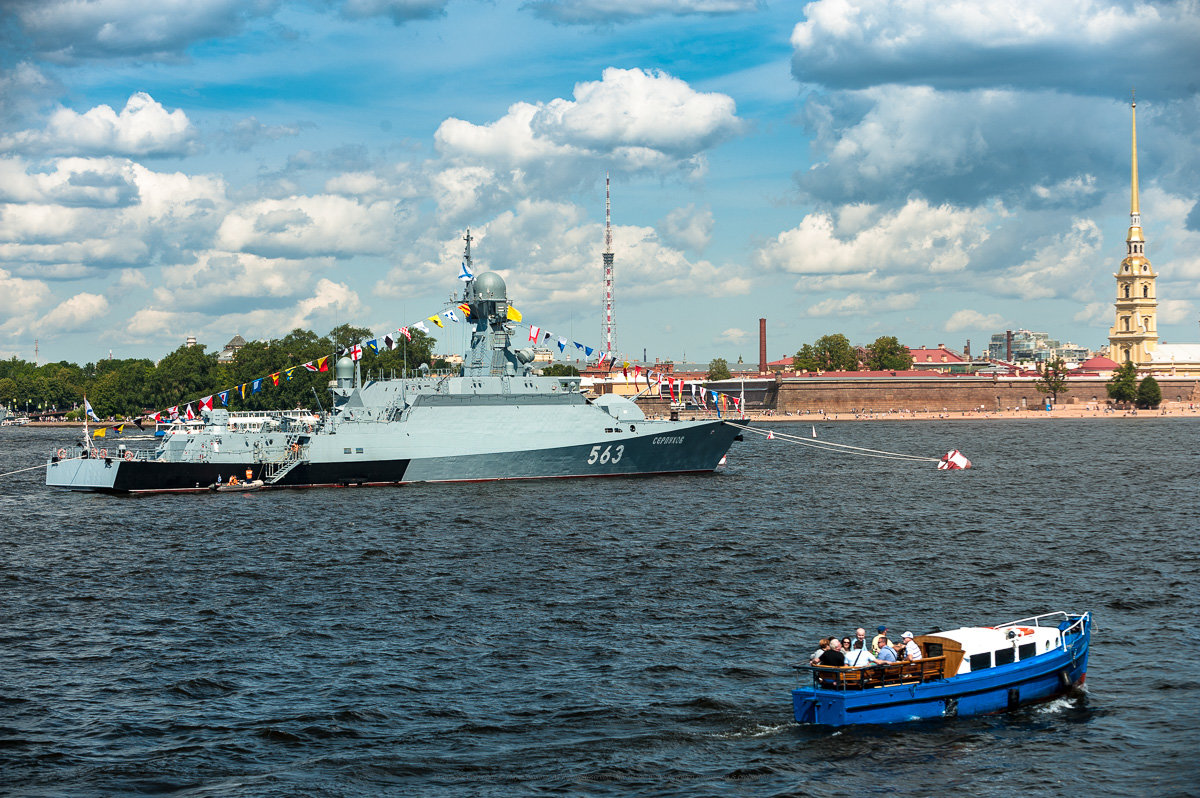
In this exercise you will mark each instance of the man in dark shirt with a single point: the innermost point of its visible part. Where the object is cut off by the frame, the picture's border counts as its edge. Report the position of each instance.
(833, 656)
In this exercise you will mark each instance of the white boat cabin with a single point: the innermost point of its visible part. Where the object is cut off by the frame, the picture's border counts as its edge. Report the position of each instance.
(977, 648)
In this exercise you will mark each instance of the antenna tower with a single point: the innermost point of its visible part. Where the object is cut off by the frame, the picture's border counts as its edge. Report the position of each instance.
(609, 332)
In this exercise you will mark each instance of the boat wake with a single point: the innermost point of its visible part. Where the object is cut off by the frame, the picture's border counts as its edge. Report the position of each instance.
(754, 730)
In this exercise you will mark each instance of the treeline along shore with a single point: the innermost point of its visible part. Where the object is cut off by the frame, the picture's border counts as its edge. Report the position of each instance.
(127, 388)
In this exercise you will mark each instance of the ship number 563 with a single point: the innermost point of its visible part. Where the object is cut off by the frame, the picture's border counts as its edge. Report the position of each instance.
(608, 455)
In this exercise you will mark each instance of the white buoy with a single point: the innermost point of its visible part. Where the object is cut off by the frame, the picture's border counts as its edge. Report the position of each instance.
(953, 460)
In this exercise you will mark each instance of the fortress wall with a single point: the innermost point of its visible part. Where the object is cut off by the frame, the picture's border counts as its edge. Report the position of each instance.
(951, 394)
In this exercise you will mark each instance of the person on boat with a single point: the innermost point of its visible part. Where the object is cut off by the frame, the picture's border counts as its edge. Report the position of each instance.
(845, 645)
(879, 640)
(861, 657)
(233, 480)
(833, 657)
(822, 647)
(860, 639)
(886, 653)
(249, 474)
(218, 479)
(912, 652)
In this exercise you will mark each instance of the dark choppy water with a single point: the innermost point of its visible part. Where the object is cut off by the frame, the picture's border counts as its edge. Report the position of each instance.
(598, 637)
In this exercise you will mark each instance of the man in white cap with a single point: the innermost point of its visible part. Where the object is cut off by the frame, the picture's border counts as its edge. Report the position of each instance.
(912, 652)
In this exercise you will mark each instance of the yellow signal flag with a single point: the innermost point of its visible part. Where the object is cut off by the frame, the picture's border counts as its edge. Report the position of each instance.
(100, 432)
(436, 321)
(513, 314)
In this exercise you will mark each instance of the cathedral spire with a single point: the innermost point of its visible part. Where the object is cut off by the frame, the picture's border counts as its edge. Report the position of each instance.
(1134, 335)
(1134, 212)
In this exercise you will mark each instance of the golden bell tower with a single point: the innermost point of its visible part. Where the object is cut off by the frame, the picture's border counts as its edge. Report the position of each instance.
(1135, 334)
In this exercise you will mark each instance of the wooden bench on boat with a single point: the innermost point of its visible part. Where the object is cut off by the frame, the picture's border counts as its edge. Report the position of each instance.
(941, 661)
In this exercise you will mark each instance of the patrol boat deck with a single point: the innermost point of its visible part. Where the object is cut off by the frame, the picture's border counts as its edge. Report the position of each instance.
(498, 420)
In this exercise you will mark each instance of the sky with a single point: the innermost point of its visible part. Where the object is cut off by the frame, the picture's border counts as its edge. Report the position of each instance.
(936, 170)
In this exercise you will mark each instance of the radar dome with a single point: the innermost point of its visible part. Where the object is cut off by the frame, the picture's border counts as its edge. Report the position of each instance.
(344, 370)
(489, 286)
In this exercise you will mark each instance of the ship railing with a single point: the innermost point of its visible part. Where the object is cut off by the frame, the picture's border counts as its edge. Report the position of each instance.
(828, 677)
(104, 453)
(275, 468)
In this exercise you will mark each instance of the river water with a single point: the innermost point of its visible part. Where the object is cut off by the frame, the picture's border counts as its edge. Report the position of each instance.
(599, 637)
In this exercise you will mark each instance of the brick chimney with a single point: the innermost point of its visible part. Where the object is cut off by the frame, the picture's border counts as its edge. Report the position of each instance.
(762, 346)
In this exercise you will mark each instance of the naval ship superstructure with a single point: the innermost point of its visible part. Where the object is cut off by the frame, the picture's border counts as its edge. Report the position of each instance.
(497, 420)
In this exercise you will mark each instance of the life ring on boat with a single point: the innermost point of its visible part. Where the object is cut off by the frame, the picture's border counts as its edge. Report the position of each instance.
(129, 456)
(62, 454)
(102, 454)
(1025, 630)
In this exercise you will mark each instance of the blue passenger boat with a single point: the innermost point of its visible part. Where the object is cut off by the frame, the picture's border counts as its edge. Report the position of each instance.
(967, 671)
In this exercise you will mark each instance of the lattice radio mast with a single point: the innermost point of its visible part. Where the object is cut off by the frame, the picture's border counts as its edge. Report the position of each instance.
(609, 333)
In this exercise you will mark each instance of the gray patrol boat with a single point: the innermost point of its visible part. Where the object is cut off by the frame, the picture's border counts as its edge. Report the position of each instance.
(498, 420)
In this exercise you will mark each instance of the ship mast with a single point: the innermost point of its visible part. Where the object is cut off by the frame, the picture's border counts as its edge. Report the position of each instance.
(609, 332)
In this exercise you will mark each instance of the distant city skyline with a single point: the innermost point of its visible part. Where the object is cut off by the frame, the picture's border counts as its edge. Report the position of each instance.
(937, 173)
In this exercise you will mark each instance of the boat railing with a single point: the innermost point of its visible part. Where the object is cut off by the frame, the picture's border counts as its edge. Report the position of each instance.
(1036, 620)
(1076, 626)
(880, 675)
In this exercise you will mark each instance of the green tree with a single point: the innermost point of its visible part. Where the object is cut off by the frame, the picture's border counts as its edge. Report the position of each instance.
(560, 370)
(1149, 395)
(183, 376)
(345, 335)
(888, 354)
(1122, 388)
(718, 369)
(1052, 378)
(828, 353)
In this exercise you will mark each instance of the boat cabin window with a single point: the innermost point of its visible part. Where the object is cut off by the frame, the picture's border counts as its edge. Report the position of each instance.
(981, 662)
(1027, 650)
(933, 650)
(1004, 656)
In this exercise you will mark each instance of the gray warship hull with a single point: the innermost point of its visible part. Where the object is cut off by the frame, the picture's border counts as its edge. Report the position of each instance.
(652, 447)
(495, 420)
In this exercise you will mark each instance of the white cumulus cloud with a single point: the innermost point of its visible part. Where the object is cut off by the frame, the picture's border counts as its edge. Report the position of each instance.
(967, 319)
(143, 129)
(600, 12)
(80, 312)
(632, 120)
(1086, 44)
(916, 239)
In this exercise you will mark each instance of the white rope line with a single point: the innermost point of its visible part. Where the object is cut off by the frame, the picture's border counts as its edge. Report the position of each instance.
(43, 465)
(845, 448)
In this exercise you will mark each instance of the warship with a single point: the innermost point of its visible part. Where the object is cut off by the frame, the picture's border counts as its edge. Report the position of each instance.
(495, 420)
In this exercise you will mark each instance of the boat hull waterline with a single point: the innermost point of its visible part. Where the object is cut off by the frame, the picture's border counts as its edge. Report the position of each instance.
(699, 449)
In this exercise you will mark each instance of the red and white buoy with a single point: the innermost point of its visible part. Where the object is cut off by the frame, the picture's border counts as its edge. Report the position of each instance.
(953, 460)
